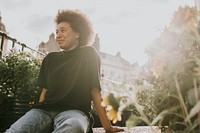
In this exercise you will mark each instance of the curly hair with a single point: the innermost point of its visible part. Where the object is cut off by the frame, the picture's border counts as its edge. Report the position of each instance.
(79, 22)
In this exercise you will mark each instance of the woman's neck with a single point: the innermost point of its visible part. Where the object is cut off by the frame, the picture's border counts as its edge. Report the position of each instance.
(67, 50)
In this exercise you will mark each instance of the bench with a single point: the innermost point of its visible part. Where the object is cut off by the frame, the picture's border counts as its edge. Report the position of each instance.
(138, 129)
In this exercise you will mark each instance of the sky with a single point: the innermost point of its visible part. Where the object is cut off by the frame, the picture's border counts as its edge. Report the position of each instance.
(125, 26)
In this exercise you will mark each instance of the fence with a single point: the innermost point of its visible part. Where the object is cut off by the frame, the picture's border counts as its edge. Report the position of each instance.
(6, 41)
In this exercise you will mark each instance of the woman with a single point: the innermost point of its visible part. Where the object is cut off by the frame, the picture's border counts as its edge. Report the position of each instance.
(69, 81)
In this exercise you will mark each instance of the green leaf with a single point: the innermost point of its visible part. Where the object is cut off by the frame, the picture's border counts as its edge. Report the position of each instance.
(191, 96)
(161, 115)
(133, 121)
(193, 111)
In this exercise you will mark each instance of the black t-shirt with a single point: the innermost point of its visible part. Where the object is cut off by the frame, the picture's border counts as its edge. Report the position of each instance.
(69, 78)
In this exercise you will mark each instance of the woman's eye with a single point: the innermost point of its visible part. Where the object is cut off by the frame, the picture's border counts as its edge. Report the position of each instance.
(63, 30)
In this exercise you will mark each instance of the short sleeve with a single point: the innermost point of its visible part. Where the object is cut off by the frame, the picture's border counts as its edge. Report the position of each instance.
(94, 68)
(42, 78)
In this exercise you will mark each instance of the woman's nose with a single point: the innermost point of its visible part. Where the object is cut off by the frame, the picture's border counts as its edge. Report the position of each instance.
(58, 35)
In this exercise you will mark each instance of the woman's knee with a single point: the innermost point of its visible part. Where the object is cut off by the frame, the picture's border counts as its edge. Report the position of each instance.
(33, 121)
(73, 121)
(72, 125)
(76, 124)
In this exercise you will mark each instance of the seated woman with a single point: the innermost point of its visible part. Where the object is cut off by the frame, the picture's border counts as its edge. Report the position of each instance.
(69, 81)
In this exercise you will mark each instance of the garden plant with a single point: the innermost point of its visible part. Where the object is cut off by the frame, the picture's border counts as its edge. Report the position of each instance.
(166, 92)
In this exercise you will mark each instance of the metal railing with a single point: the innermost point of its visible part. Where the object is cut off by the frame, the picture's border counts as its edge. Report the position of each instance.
(115, 87)
(4, 37)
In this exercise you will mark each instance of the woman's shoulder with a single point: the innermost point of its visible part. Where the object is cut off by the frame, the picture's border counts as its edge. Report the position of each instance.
(90, 53)
(52, 54)
(89, 50)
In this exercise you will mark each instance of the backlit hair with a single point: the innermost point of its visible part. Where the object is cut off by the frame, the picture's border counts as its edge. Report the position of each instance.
(79, 22)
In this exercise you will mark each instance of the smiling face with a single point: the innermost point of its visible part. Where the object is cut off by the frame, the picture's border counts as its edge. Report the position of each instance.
(65, 36)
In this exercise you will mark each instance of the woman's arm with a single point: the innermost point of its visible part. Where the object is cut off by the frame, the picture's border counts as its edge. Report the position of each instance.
(42, 95)
(97, 99)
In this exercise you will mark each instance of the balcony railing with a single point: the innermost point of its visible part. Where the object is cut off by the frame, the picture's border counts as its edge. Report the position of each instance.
(8, 42)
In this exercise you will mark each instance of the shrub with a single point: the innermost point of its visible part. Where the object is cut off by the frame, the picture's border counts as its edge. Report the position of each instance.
(18, 76)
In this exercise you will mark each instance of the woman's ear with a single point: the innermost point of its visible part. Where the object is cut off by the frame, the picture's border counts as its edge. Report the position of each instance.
(77, 35)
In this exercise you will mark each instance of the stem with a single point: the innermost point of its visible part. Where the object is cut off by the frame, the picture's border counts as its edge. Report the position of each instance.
(143, 116)
(196, 93)
(183, 106)
(195, 90)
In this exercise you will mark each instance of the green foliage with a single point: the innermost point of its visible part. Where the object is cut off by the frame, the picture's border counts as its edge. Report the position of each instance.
(18, 76)
(173, 71)
(171, 77)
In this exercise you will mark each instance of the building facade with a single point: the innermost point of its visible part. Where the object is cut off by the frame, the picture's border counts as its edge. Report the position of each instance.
(50, 46)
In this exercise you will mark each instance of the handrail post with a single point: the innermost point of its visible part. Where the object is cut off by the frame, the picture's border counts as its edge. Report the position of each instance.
(23, 46)
(13, 43)
(2, 42)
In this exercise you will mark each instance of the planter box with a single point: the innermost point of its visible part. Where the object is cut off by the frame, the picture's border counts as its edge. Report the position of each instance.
(10, 111)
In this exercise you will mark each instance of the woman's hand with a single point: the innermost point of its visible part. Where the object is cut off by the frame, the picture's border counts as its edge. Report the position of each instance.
(97, 99)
